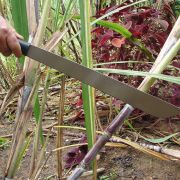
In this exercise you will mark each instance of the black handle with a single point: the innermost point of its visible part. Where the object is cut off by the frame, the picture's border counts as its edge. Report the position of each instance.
(24, 47)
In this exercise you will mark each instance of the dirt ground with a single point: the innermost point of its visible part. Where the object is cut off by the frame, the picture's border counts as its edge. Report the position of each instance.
(119, 163)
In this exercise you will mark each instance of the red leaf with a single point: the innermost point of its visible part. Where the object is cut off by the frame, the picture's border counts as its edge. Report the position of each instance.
(136, 33)
(104, 38)
(97, 31)
(110, 32)
(164, 24)
(105, 57)
(176, 95)
(176, 63)
(79, 102)
(138, 30)
(161, 37)
(93, 44)
(118, 42)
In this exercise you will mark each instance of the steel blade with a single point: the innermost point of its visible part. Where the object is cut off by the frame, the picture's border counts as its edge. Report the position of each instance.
(136, 98)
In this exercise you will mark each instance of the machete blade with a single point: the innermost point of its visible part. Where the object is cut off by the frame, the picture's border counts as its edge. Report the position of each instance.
(130, 95)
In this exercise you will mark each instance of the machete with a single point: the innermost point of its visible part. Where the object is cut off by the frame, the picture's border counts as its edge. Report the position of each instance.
(130, 95)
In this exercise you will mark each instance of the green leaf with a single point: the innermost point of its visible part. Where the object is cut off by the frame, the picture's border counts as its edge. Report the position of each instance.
(70, 5)
(160, 140)
(116, 27)
(22, 153)
(131, 62)
(87, 94)
(36, 109)
(168, 78)
(56, 13)
(87, 91)
(129, 124)
(19, 16)
(3, 142)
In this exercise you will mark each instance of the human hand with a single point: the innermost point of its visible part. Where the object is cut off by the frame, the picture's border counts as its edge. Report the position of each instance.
(9, 39)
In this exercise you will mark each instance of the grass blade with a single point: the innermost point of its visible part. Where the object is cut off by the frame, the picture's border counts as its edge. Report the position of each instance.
(160, 140)
(87, 91)
(88, 96)
(168, 78)
(19, 16)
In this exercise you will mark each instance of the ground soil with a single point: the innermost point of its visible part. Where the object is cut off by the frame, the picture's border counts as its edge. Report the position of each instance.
(119, 163)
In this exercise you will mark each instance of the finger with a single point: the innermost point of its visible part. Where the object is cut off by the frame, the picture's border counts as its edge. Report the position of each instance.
(14, 45)
(3, 39)
(7, 53)
(17, 34)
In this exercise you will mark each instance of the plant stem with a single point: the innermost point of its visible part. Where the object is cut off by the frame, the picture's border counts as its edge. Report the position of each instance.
(25, 105)
(118, 121)
(87, 91)
(159, 65)
(20, 133)
(50, 45)
(60, 131)
(39, 127)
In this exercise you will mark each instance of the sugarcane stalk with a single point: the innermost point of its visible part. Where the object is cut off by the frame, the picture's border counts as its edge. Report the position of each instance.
(171, 152)
(38, 129)
(161, 63)
(41, 156)
(107, 133)
(31, 68)
(102, 140)
(20, 133)
(87, 91)
(56, 37)
(50, 45)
